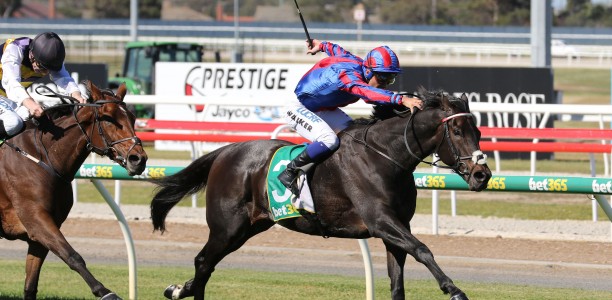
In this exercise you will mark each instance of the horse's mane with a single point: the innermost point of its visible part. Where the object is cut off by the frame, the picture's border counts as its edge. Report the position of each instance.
(430, 99)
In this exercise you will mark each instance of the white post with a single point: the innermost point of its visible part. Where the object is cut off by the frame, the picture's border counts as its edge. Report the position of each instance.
(593, 172)
(454, 203)
(118, 192)
(369, 270)
(435, 202)
(127, 236)
(133, 20)
(74, 191)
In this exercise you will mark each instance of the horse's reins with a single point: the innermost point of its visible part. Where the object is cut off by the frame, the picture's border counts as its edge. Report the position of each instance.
(368, 146)
(363, 142)
(477, 156)
(90, 147)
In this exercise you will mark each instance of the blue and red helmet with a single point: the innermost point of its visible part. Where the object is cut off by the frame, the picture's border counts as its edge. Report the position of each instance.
(381, 59)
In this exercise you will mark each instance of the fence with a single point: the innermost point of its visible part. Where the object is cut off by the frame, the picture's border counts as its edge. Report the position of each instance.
(230, 132)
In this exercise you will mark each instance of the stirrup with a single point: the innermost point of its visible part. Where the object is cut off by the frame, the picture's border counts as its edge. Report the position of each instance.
(291, 185)
(294, 187)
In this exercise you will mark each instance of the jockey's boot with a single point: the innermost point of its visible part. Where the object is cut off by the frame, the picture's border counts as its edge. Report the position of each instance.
(289, 177)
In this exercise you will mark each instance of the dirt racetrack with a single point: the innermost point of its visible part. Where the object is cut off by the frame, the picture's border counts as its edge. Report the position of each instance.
(548, 259)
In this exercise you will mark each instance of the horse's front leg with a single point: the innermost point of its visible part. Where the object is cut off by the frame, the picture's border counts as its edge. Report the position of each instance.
(36, 257)
(423, 255)
(396, 258)
(177, 291)
(42, 229)
(396, 234)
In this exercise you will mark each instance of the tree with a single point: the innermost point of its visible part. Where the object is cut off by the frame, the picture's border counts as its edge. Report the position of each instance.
(8, 7)
(120, 9)
(405, 12)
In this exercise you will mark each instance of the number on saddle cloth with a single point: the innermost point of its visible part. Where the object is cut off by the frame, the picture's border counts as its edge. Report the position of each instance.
(279, 197)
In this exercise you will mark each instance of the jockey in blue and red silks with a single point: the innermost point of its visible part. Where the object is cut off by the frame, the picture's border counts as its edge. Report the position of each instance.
(335, 81)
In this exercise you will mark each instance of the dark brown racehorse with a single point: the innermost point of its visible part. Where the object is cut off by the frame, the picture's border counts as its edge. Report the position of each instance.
(366, 189)
(37, 166)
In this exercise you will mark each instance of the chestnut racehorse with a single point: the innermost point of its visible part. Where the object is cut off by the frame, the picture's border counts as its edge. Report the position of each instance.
(38, 165)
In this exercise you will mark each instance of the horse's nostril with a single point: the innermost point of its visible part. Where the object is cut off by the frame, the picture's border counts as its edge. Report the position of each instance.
(480, 176)
(135, 159)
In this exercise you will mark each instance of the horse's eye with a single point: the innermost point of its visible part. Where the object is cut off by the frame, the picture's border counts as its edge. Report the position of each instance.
(109, 120)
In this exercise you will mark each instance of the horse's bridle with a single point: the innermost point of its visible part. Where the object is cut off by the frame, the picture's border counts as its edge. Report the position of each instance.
(72, 102)
(108, 147)
(459, 167)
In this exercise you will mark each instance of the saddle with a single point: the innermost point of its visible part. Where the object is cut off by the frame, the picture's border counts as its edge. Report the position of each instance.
(283, 204)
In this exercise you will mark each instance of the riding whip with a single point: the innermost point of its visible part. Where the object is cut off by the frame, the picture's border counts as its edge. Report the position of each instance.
(303, 24)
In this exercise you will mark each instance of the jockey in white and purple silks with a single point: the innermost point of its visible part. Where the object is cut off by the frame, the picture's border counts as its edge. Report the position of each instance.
(22, 62)
(335, 81)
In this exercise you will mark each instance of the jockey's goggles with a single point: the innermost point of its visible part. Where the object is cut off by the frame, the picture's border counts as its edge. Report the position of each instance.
(385, 78)
(37, 63)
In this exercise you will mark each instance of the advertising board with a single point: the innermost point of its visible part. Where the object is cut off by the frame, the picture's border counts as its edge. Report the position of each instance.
(273, 83)
(494, 85)
(96, 73)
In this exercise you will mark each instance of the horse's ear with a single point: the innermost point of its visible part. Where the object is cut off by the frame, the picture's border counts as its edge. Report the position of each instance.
(95, 92)
(465, 99)
(445, 102)
(421, 90)
(121, 91)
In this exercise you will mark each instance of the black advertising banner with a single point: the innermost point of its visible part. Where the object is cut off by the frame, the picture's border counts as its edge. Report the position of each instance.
(96, 73)
(494, 85)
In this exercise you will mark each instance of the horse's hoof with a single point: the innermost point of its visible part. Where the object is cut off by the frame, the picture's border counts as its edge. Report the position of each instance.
(111, 296)
(173, 291)
(459, 296)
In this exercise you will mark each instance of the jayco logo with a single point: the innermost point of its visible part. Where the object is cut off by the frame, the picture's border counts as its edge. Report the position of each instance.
(602, 188)
(230, 113)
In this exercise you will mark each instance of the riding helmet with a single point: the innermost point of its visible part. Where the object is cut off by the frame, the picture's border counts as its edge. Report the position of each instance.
(48, 50)
(381, 59)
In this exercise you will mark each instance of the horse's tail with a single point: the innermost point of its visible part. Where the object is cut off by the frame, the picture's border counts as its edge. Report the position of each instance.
(172, 189)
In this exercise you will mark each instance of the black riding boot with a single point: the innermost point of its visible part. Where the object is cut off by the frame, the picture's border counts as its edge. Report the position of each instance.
(302, 163)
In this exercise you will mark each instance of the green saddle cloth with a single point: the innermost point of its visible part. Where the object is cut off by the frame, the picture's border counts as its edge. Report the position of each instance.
(279, 197)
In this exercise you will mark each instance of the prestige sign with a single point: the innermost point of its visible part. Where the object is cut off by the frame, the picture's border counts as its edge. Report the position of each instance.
(235, 82)
(235, 76)
(274, 82)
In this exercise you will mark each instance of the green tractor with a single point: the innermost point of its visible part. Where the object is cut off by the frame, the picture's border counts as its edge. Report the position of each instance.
(139, 68)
